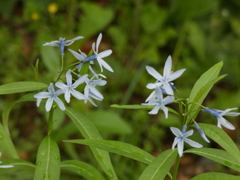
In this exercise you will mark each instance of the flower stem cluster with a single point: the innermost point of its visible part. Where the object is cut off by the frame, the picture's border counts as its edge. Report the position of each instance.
(69, 86)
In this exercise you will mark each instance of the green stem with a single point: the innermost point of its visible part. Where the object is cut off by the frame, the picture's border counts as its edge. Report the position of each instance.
(175, 172)
(50, 121)
(62, 64)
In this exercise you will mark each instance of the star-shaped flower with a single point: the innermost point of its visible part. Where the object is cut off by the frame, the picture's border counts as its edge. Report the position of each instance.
(218, 114)
(52, 96)
(167, 78)
(156, 99)
(61, 43)
(100, 55)
(90, 90)
(181, 137)
(69, 87)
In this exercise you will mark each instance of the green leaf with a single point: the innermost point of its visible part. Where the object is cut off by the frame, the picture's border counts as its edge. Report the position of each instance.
(24, 86)
(48, 160)
(6, 142)
(222, 138)
(160, 166)
(217, 155)
(35, 69)
(112, 123)
(87, 171)
(89, 131)
(197, 39)
(7, 109)
(199, 98)
(17, 164)
(215, 175)
(202, 87)
(88, 18)
(117, 147)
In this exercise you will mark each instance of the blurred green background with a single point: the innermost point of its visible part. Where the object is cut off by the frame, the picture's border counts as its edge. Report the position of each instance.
(197, 34)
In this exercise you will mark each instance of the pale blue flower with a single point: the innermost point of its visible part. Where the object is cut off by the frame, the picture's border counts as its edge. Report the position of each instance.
(167, 78)
(101, 55)
(218, 114)
(181, 137)
(69, 87)
(52, 96)
(61, 43)
(5, 166)
(97, 56)
(200, 131)
(156, 99)
(90, 90)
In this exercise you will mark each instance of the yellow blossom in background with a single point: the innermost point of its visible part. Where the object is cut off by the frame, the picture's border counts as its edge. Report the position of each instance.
(52, 8)
(35, 16)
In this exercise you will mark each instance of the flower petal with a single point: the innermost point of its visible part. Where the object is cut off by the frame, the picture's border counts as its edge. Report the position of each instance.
(53, 43)
(192, 143)
(176, 131)
(167, 67)
(78, 95)
(48, 104)
(154, 73)
(61, 85)
(105, 53)
(175, 75)
(67, 95)
(77, 55)
(167, 87)
(74, 39)
(180, 147)
(59, 103)
(79, 81)
(104, 64)
(176, 140)
(98, 41)
(225, 123)
(154, 110)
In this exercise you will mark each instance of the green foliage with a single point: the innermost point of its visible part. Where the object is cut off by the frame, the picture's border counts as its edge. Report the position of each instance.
(88, 131)
(159, 167)
(120, 148)
(18, 87)
(48, 160)
(222, 138)
(214, 175)
(220, 156)
(83, 169)
(17, 164)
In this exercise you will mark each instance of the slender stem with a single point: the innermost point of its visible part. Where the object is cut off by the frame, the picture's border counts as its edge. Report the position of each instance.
(50, 121)
(175, 171)
(62, 64)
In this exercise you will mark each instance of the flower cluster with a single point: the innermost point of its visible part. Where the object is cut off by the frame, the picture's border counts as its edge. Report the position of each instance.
(69, 86)
(164, 86)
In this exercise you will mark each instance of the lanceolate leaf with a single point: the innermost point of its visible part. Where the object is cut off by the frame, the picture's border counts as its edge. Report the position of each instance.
(117, 147)
(89, 131)
(48, 160)
(17, 164)
(206, 77)
(217, 155)
(7, 109)
(221, 137)
(160, 166)
(6, 142)
(215, 175)
(18, 87)
(87, 171)
(200, 96)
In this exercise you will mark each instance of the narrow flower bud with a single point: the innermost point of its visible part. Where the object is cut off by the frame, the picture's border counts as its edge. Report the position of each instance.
(200, 131)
